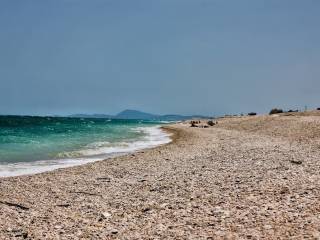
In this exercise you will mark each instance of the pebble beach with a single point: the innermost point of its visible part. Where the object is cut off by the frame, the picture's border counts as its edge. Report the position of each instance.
(244, 178)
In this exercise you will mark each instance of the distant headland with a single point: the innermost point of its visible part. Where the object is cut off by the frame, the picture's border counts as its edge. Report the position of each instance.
(135, 114)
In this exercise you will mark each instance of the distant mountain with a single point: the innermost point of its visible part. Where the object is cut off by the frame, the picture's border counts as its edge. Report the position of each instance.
(134, 114)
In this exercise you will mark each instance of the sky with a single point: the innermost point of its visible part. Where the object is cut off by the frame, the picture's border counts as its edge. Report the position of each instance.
(207, 57)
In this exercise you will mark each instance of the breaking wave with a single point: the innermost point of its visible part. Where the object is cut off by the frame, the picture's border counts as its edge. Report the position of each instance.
(96, 151)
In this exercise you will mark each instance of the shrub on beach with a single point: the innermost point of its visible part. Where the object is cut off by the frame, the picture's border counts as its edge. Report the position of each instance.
(252, 114)
(276, 111)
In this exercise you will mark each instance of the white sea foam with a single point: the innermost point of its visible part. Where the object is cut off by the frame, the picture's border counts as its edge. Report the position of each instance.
(96, 151)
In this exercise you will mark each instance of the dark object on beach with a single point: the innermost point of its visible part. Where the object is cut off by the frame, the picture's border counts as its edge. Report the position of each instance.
(87, 193)
(252, 114)
(318, 109)
(211, 123)
(20, 233)
(142, 180)
(147, 209)
(63, 205)
(298, 162)
(105, 179)
(284, 190)
(14, 205)
(275, 111)
(292, 111)
(114, 231)
(194, 123)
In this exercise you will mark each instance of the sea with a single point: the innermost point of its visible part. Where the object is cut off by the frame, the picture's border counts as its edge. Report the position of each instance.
(30, 145)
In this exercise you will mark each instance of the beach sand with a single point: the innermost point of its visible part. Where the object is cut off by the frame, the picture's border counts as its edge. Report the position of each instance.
(244, 178)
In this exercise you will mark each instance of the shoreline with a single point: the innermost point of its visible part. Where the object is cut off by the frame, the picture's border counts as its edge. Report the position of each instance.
(41, 166)
(251, 177)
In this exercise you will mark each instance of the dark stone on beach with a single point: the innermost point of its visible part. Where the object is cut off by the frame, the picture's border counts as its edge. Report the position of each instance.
(318, 109)
(64, 205)
(142, 180)
(25, 235)
(14, 205)
(105, 179)
(20, 233)
(298, 162)
(103, 216)
(284, 190)
(147, 209)
(252, 114)
(114, 231)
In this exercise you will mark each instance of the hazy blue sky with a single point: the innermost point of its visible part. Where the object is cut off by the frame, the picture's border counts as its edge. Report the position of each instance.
(160, 56)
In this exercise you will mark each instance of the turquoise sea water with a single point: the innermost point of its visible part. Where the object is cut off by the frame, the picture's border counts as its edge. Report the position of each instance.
(36, 144)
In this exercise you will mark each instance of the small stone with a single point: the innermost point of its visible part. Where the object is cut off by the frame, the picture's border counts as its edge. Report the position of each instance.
(106, 215)
(63, 205)
(267, 227)
(20, 233)
(298, 162)
(105, 179)
(142, 180)
(147, 209)
(114, 231)
(284, 190)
